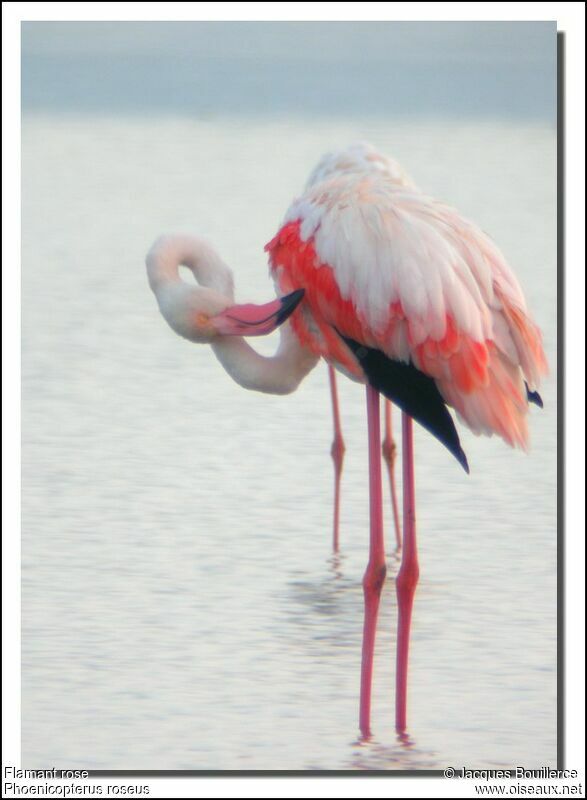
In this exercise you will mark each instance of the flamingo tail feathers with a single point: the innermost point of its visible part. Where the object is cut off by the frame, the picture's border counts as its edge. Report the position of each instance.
(413, 392)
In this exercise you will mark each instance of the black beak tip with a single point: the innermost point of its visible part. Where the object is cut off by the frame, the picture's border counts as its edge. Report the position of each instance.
(289, 303)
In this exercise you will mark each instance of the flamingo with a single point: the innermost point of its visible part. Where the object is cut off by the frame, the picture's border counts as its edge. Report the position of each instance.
(399, 293)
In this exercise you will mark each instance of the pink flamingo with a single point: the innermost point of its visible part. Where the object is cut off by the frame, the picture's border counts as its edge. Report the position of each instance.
(396, 291)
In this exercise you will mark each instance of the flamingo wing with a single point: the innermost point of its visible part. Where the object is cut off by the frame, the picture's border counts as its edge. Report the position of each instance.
(387, 267)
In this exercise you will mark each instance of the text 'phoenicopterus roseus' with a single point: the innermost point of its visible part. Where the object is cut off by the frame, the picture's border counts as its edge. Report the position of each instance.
(398, 292)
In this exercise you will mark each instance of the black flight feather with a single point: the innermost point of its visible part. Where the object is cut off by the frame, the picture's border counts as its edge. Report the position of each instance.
(534, 397)
(414, 392)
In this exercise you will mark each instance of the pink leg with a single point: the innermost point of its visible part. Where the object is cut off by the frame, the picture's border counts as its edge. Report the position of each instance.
(337, 453)
(375, 573)
(389, 451)
(407, 577)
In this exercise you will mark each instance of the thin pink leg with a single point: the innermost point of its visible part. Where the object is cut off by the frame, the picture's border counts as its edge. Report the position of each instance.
(375, 573)
(389, 451)
(407, 577)
(337, 453)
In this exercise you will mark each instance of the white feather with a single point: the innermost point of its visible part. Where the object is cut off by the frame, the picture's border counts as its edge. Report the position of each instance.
(388, 242)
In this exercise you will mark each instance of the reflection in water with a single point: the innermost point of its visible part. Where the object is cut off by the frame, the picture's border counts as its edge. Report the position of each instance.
(335, 563)
(404, 739)
(180, 607)
(372, 754)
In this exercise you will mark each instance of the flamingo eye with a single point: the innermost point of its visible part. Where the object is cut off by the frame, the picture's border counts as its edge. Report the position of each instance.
(202, 319)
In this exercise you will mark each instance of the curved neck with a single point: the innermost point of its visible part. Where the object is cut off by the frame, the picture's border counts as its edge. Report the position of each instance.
(170, 252)
(277, 374)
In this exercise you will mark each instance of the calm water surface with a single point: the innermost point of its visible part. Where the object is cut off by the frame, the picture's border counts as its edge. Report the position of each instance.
(181, 607)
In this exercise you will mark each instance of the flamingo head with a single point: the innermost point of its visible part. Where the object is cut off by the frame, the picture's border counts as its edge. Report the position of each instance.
(202, 315)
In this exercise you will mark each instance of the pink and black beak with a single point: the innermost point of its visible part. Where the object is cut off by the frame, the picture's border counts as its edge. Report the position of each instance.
(254, 320)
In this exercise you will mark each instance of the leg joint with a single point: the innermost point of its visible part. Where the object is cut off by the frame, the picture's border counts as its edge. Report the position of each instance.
(338, 449)
(374, 577)
(389, 450)
(407, 577)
